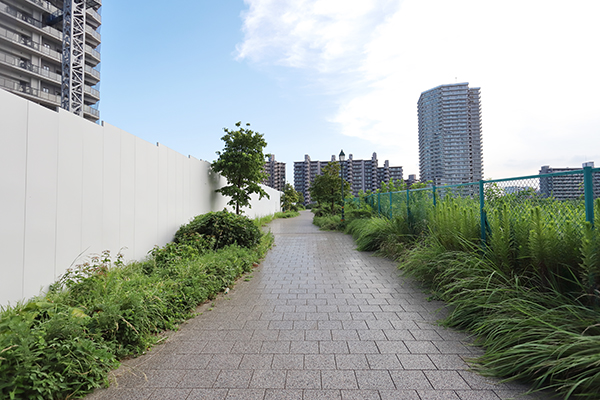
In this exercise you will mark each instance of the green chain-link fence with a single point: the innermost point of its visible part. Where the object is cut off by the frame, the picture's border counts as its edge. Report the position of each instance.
(563, 201)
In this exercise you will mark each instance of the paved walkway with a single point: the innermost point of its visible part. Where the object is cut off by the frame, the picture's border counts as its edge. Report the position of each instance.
(317, 320)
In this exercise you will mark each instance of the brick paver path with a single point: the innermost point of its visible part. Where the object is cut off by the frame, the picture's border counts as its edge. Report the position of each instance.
(317, 320)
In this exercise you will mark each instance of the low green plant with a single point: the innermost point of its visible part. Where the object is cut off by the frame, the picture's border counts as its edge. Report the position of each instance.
(328, 222)
(224, 227)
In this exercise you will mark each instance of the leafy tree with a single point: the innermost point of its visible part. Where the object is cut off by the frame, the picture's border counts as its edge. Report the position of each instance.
(241, 162)
(326, 189)
(300, 201)
(290, 198)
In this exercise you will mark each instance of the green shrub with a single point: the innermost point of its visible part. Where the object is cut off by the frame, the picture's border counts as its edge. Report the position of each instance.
(224, 227)
(328, 222)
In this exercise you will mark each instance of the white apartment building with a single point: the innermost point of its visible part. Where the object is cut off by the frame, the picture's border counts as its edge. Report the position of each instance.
(450, 148)
(363, 175)
(49, 53)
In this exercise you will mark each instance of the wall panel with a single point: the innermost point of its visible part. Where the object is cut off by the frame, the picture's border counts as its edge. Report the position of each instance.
(69, 246)
(40, 217)
(13, 169)
(70, 188)
(111, 189)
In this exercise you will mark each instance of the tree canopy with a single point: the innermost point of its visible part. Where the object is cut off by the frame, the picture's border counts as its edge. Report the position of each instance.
(326, 189)
(290, 198)
(242, 163)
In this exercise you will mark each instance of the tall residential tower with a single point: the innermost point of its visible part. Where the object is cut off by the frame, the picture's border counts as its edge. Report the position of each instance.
(49, 53)
(450, 149)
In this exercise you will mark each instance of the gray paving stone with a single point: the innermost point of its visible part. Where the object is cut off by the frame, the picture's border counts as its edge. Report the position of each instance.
(374, 380)
(446, 380)
(283, 394)
(268, 379)
(245, 394)
(383, 361)
(437, 395)
(322, 395)
(399, 395)
(410, 380)
(303, 379)
(360, 395)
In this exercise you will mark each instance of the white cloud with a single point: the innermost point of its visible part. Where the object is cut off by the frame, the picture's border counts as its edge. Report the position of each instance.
(535, 61)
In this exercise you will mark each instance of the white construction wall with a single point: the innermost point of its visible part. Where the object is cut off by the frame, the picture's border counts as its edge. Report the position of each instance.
(70, 188)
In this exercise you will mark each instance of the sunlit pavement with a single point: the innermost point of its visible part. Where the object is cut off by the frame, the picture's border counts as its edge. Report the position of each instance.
(316, 320)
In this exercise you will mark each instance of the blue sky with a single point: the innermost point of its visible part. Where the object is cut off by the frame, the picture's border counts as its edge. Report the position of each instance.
(316, 76)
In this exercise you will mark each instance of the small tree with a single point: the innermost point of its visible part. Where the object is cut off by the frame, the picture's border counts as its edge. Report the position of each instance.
(241, 162)
(290, 198)
(326, 189)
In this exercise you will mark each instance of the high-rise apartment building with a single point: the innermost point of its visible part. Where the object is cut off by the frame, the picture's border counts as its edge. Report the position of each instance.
(49, 53)
(363, 175)
(276, 173)
(568, 186)
(450, 148)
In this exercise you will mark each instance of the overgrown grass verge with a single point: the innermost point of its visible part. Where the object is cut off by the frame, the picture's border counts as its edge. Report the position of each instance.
(62, 345)
(262, 221)
(529, 332)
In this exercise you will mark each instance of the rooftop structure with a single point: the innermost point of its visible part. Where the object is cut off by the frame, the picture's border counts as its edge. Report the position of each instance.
(49, 53)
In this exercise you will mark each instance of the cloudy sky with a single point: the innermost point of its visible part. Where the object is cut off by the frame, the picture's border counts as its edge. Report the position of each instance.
(317, 76)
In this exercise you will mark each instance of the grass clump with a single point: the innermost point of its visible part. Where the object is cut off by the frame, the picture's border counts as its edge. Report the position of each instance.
(62, 344)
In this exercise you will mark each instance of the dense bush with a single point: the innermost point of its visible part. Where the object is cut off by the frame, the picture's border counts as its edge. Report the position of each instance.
(224, 227)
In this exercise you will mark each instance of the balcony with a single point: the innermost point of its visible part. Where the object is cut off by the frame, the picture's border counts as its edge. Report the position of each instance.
(92, 93)
(92, 75)
(43, 5)
(91, 113)
(28, 92)
(93, 17)
(94, 54)
(22, 41)
(28, 67)
(30, 22)
(92, 36)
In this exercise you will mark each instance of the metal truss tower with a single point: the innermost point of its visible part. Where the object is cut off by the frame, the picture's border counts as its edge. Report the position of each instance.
(73, 59)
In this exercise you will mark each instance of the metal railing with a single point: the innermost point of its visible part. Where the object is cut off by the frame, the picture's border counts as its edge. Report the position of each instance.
(28, 90)
(564, 198)
(32, 21)
(27, 65)
(16, 38)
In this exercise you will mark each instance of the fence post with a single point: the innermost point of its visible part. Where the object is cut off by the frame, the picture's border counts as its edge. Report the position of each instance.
(588, 187)
(482, 212)
(407, 204)
(379, 203)
(391, 207)
(434, 202)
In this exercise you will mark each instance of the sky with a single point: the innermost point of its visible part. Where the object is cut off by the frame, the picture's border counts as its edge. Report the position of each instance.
(318, 76)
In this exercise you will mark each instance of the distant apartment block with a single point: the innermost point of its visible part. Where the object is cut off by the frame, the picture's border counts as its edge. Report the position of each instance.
(450, 148)
(276, 173)
(568, 186)
(50, 53)
(363, 175)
